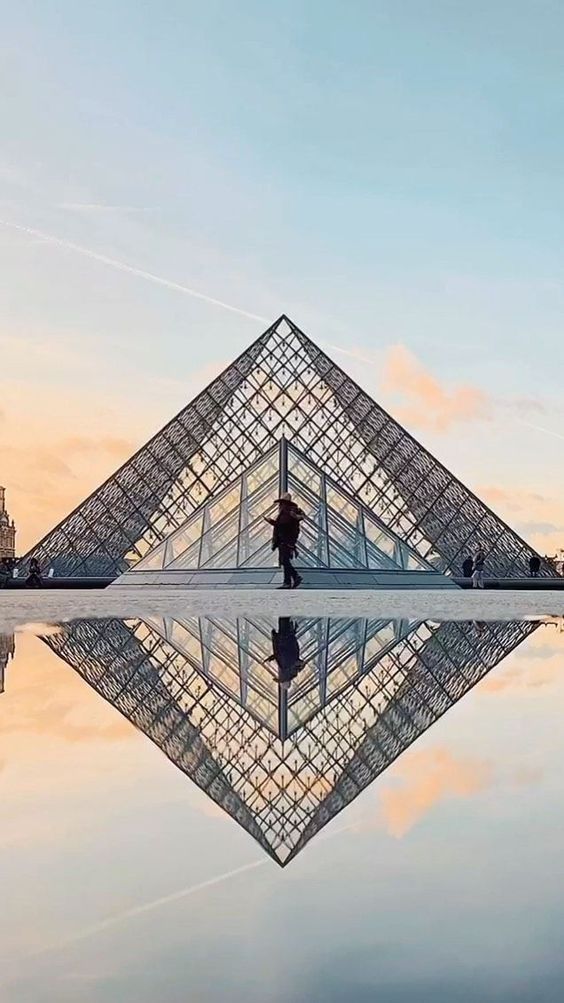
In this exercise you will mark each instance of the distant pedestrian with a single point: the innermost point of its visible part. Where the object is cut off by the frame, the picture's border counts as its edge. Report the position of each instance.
(478, 569)
(467, 567)
(33, 580)
(285, 533)
(534, 566)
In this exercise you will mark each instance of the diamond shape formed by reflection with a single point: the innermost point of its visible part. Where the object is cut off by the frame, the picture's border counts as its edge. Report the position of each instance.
(188, 685)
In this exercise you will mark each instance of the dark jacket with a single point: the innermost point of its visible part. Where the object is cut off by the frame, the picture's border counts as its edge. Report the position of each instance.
(286, 527)
(467, 567)
(286, 650)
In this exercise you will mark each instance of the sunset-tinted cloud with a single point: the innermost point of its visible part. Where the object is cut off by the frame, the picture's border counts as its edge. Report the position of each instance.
(50, 699)
(56, 448)
(533, 668)
(422, 780)
(423, 401)
(50, 475)
(538, 517)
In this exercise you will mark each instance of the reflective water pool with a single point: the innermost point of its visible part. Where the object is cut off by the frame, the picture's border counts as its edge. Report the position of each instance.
(281, 808)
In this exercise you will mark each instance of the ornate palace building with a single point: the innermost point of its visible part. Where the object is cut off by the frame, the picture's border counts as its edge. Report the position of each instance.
(7, 529)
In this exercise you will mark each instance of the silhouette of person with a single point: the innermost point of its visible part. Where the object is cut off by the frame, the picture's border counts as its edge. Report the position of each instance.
(286, 651)
(285, 533)
(478, 571)
(467, 567)
(33, 580)
(534, 566)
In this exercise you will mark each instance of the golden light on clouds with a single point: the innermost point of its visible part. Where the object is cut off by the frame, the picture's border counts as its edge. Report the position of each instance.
(424, 779)
(61, 435)
(48, 698)
(539, 517)
(422, 400)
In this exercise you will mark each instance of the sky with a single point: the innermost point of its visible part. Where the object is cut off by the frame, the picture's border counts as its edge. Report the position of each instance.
(121, 880)
(389, 175)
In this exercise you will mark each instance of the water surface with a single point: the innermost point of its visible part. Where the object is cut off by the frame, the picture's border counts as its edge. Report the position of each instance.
(157, 771)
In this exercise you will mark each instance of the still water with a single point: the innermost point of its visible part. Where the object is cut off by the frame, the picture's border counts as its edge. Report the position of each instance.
(281, 809)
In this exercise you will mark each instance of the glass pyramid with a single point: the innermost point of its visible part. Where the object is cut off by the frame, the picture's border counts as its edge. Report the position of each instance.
(190, 688)
(230, 531)
(282, 385)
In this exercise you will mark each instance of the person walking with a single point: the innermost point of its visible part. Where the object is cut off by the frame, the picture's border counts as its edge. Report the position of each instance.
(285, 533)
(478, 569)
(33, 580)
(534, 566)
(467, 566)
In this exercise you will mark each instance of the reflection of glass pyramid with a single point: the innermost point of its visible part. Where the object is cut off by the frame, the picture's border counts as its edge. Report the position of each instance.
(206, 711)
(229, 531)
(283, 385)
(237, 656)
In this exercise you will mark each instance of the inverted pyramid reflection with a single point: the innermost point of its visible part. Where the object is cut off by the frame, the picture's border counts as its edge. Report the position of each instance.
(283, 722)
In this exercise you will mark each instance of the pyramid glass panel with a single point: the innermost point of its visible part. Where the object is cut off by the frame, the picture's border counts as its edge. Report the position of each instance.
(234, 532)
(188, 558)
(261, 558)
(282, 387)
(180, 542)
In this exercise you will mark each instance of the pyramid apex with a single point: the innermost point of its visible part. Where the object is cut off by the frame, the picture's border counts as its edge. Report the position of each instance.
(284, 318)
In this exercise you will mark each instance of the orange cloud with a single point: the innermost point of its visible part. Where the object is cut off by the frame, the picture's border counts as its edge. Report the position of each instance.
(47, 474)
(57, 447)
(43, 488)
(524, 676)
(538, 517)
(47, 698)
(423, 401)
(425, 779)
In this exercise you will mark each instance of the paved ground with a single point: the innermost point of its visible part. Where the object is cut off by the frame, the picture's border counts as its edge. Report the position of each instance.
(18, 608)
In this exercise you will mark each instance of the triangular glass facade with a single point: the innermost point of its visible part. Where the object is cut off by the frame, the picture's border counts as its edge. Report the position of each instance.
(229, 531)
(237, 656)
(283, 385)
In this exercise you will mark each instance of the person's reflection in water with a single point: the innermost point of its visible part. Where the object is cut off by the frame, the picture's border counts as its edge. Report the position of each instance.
(479, 626)
(286, 651)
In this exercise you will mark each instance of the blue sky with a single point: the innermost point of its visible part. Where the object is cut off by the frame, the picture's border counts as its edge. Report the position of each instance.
(387, 174)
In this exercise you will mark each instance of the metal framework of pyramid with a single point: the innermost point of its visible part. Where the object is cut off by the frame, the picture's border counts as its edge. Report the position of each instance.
(229, 532)
(283, 385)
(376, 689)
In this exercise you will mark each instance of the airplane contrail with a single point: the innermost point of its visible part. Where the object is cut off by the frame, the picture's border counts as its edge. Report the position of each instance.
(539, 428)
(141, 273)
(140, 910)
(352, 353)
(122, 266)
(164, 900)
